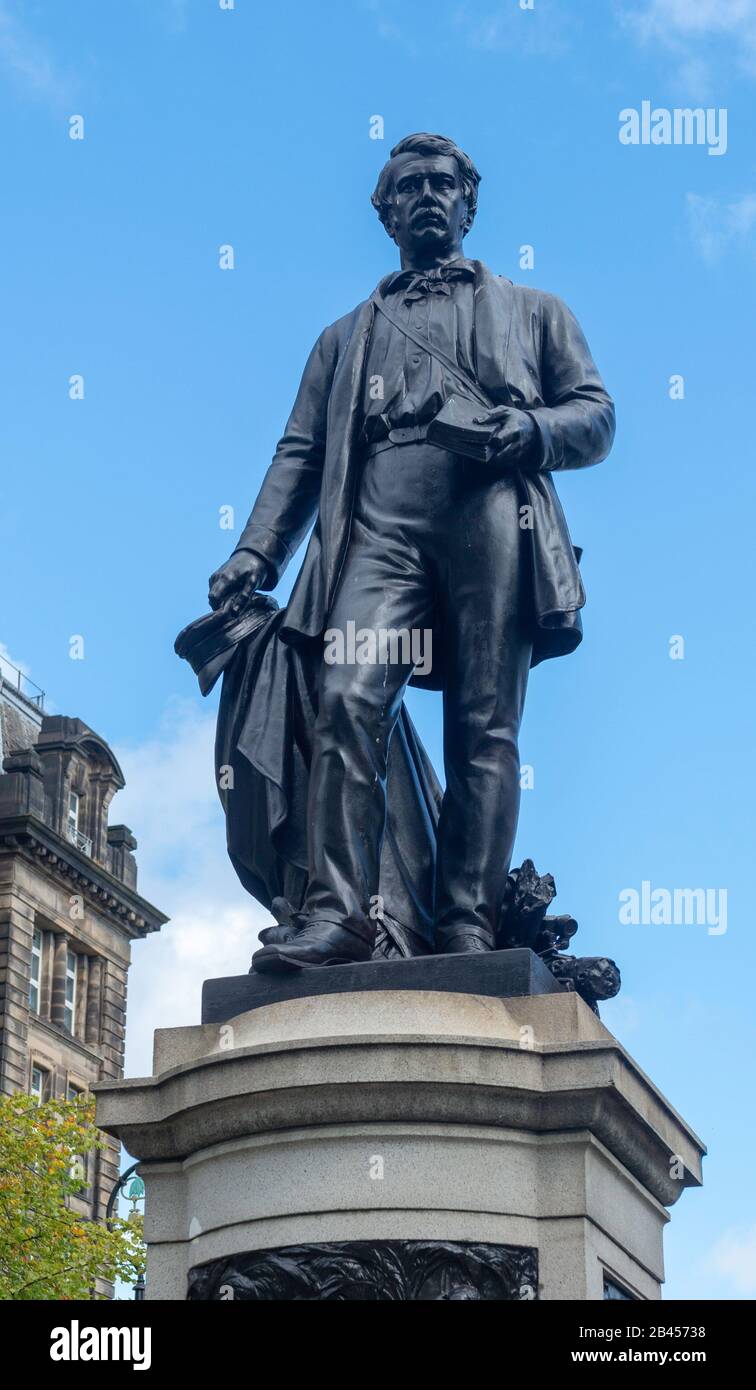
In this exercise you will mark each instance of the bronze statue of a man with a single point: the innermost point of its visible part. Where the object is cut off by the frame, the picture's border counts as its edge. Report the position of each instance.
(422, 442)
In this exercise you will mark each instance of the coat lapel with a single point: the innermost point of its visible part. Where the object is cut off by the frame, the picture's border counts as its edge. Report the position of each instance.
(339, 469)
(494, 302)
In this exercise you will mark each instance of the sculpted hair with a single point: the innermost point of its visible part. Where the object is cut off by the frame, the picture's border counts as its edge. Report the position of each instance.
(423, 143)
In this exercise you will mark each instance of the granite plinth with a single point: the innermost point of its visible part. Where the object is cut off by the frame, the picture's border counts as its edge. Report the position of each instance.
(312, 1137)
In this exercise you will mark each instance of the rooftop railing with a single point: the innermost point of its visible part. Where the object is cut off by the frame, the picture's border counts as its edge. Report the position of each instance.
(81, 841)
(14, 679)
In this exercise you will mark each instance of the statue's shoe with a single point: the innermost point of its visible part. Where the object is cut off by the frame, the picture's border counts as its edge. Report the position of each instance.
(467, 943)
(321, 943)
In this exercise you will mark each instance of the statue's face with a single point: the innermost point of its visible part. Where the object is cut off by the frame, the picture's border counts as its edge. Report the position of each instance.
(429, 208)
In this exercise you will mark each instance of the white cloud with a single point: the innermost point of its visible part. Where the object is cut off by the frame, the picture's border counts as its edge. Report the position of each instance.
(621, 1016)
(170, 795)
(177, 14)
(25, 60)
(171, 803)
(541, 31)
(695, 33)
(734, 1257)
(661, 18)
(386, 15)
(11, 665)
(204, 940)
(718, 227)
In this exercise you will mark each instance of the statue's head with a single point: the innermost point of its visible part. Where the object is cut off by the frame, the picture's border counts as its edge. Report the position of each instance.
(427, 194)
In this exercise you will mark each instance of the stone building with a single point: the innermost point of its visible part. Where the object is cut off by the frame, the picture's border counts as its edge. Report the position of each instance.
(69, 911)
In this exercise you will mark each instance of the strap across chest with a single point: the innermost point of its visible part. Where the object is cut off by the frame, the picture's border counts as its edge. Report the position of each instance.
(453, 368)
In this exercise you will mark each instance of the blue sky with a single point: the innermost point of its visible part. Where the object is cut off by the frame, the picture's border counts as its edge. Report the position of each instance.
(251, 127)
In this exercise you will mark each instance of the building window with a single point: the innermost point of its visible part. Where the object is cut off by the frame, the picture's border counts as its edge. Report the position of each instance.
(40, 1084)
(614, 1290)
(69, 1013)
(36, 971)
(75, 835)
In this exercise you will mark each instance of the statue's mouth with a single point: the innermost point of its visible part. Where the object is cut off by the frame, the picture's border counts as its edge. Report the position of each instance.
(429, 214)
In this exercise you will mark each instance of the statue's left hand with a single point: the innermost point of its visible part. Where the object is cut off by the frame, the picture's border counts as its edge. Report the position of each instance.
(516, 435)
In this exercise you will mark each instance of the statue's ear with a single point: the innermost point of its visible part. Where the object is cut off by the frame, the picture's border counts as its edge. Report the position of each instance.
(389, 225)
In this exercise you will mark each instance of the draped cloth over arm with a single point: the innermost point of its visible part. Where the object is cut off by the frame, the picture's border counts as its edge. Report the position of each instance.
(264, 734)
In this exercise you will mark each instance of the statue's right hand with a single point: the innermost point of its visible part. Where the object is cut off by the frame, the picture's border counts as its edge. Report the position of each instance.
(236, 581)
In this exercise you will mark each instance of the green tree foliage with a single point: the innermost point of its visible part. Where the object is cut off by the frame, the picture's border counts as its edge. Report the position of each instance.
(48, 1249)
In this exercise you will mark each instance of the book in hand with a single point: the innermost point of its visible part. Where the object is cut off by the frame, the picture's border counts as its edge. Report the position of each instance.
(454, 429)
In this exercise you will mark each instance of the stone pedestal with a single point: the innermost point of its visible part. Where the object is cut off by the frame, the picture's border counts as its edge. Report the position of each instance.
(401, 1142)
